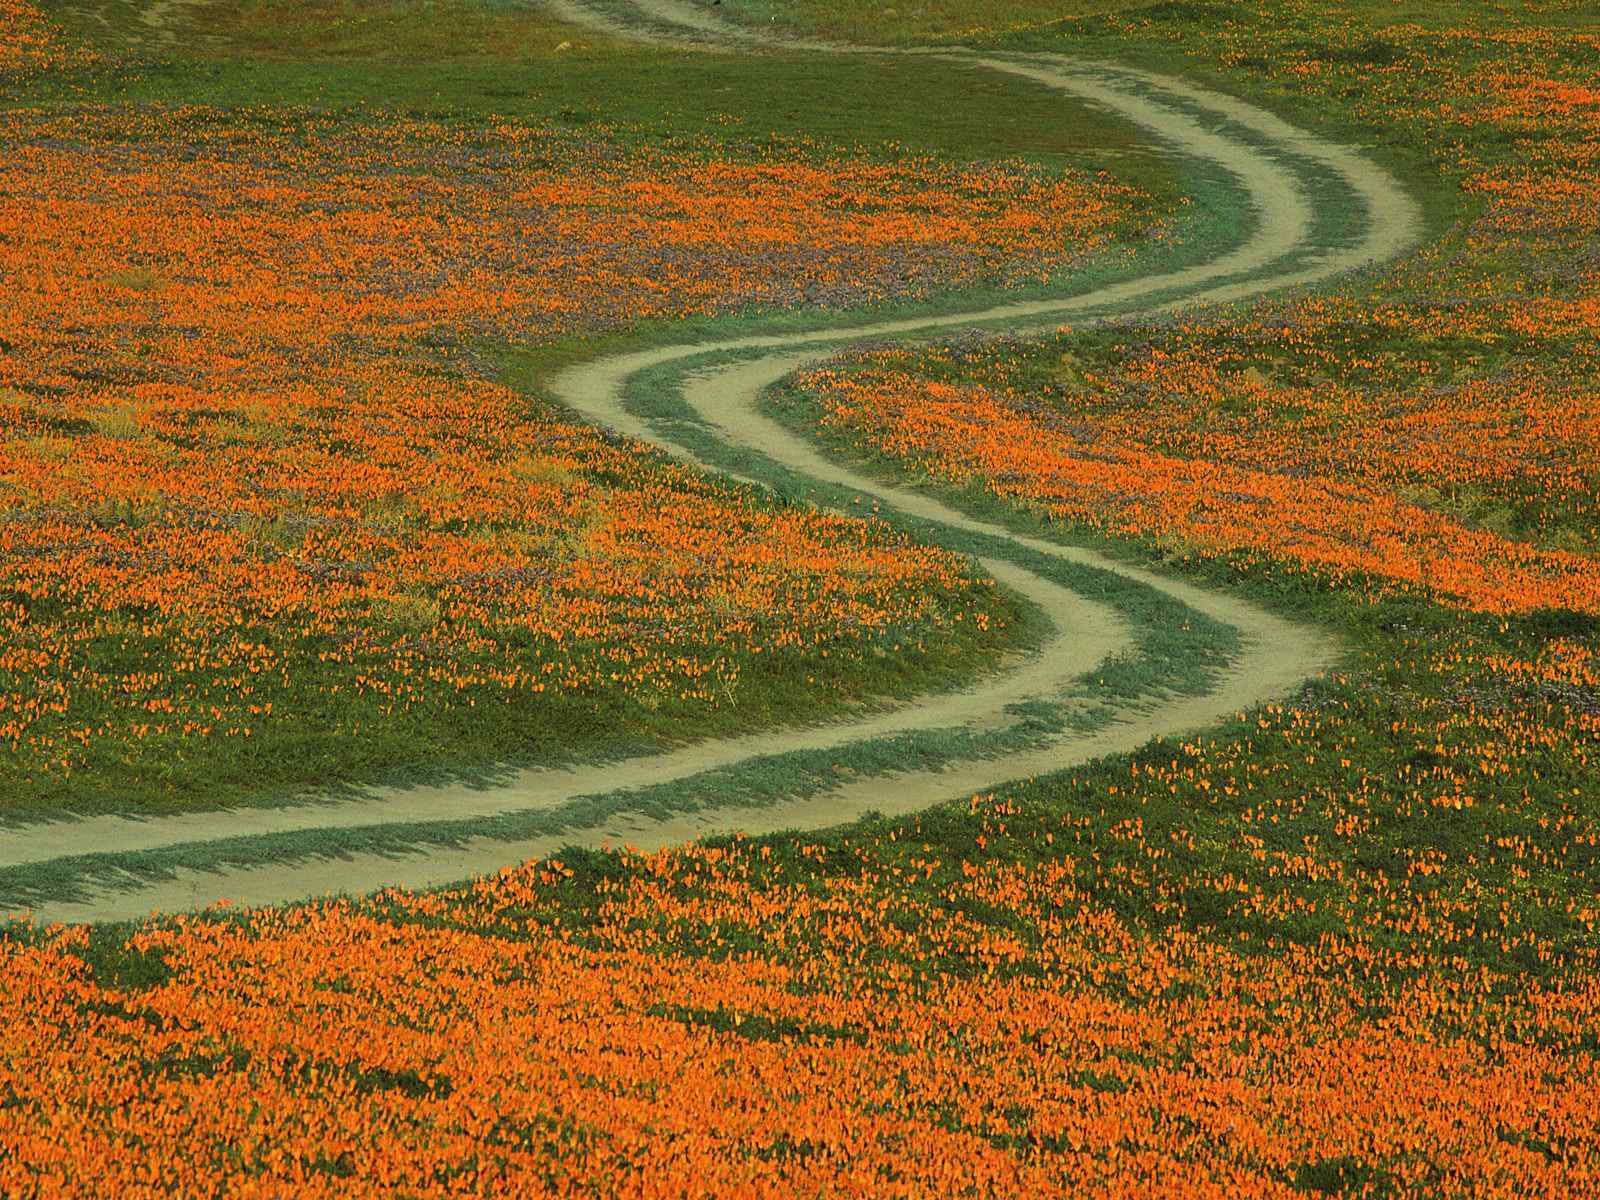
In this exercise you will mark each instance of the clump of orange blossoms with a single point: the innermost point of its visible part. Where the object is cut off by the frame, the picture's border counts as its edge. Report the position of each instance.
(27, 40)
(715, 1026)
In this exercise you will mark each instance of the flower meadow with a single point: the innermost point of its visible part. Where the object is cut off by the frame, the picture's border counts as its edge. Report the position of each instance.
(28, 42)
(1341, 946)
(265, 487)
(1162, 985)
(1435, 431)
(1233, 441)
(1412, 458)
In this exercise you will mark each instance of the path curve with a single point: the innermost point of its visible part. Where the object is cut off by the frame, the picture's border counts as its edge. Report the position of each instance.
(1276, 654)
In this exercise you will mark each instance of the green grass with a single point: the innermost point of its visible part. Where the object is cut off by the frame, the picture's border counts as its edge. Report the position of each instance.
(864, 104)
(917, 22)
(391, 31)
(1181, 38)
(340, 748)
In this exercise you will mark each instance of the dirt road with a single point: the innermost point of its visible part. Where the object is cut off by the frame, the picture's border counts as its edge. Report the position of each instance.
(1271, 163)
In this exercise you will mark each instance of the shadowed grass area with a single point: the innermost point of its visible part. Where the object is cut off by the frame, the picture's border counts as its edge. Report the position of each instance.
(322, 30)
(433, 31)
(475, 61)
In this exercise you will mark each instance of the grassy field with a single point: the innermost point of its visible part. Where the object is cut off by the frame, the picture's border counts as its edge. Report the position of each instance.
(474, 61)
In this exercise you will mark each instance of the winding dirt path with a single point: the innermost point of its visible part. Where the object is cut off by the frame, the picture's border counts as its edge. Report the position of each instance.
(723, 381)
